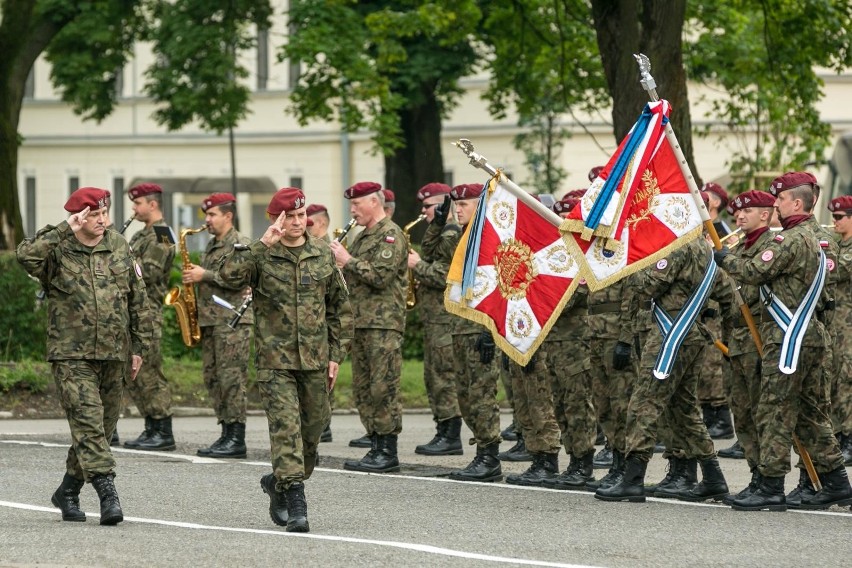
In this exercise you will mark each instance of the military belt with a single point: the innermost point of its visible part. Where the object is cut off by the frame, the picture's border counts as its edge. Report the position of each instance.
(607, 308)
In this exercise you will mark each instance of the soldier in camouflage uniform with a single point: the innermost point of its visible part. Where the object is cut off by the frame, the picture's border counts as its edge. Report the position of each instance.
(841, 391)
(319, 215)
(376, 270)
(790, 401)
(224, 350)
(97, 319)
(430, 270)
(303, 324)
(150, 391)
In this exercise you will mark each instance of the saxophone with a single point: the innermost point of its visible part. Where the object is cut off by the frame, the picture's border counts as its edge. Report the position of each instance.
(340, 234)
(410, 297)
(184, 301)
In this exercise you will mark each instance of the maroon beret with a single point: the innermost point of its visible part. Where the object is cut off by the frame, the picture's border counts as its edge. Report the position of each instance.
(432, 189)
(842, 203)
(791, 180)
(466, 191)
(595, 172)
(389, 196)
(143, 189)
(361, 189)
(575, 193)
(752, 198)
(565, 205)
(718, 190)
(285, 199)
(91, 197)
(315, 208)
(216, 199)
(705, 197)
(309, 222)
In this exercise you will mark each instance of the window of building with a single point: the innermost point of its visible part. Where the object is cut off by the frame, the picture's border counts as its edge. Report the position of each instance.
(30, 205)
(296, 181)
(448, 178)
(118, 201)
(119, 82)
(29, 86)
(73, 184)
(295, 68)
(262, 59)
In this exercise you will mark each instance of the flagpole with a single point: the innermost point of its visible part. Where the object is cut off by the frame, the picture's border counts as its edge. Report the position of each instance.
(479, 161)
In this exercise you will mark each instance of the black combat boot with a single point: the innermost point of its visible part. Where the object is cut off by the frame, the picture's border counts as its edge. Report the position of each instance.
(846, 448)
(805, 489)
(143, 437)
(234, 444)
(579, 473)
(769, 495)
(600, 437)
(671, 470)
(277, 501)
(161, 438)
(447, 440)
(603, 460)
(544, 467)
(364, 441)
(734, 452)
(374, 447)
(723, 428)
(835, 491)
(659, 447)
(613, 476)
(110, 507)
(682, 480)
(297, 508)
(326, 436)
(749, 489)
(518, 452)
(709, 415)
(67, 499)
(205, 452)
(113, 440)
(381, 460)
(510, 433)
(630, 486)
(484, 467)
(712, 486)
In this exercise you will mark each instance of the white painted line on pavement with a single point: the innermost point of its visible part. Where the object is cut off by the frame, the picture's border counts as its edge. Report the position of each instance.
(387, 543)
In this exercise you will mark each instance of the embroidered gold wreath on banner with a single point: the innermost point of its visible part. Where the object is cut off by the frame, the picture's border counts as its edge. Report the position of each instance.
(515, 269)
(647, 194)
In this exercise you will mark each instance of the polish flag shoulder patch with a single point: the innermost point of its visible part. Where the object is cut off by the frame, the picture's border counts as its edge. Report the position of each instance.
(823, 244)
(390, 239)
(779, 238)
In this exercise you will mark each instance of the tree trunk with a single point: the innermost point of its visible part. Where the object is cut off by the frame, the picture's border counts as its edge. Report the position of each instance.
(655, 28)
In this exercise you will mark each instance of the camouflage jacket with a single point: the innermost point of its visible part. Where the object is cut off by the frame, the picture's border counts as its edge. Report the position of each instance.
(740, 341)
(431, 273)
(301, 307)
(209, 312)
(377, 276)
(572, 327)
(832, 251)
(843, 274)
(788, 264)
(97, 305)
(156, 260)
(610, 310)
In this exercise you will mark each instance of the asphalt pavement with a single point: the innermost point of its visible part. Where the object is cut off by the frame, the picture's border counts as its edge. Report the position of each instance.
(184, 510)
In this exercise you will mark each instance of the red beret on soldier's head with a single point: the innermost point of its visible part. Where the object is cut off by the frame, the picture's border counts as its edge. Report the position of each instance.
(309, 222)
(718, 190)
(575, 193)
(389, 196)
(286, 199)
(216, 199)
(315, 208)
(143, 189)
(842, 203)
(361, 189)
(791, 180)
(752, 198)
(565, 205)
(432, 189)
(466, 191)
(92, 197)
(595, 172)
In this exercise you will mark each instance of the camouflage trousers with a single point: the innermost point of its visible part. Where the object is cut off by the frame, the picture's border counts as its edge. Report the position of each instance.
(224, 359)
(571, 385)
(376, 368)
(611, 390)
(744, 394)
(674, 399)
(794, 404)
(841, 389)
(296, 405)
(711, 387)
(90, 393)
(150, 391)
(476, 385)
(534, 413)
(438, 372)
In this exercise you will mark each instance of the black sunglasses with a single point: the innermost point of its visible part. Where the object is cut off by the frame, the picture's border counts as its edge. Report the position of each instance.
(839, 216)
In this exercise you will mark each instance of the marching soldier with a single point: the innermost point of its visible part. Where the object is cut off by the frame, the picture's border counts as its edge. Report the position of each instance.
(376, 269)
(150, 391)
(390, 202)
(841, 392)
(97, 319)
(302, 327)
(224, 351)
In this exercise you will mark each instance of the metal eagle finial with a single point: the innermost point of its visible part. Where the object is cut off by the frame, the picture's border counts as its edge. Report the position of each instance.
(647, 80)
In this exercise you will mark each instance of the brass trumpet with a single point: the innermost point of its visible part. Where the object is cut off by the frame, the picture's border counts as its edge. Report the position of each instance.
(735, 234)
(410, 296)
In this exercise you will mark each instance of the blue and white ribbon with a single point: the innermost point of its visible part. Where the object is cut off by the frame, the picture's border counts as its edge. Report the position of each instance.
(471, 253)
(674, 331)
(794, 325)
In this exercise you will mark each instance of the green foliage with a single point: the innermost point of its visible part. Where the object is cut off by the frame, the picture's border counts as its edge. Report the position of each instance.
(412, 340)
(28, 375)
(23, 319)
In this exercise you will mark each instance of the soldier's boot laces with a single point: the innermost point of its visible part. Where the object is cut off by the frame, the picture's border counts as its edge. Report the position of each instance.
(603, 459)
(484, 467)
(382, 459)
(712, 485)
(578, 473)
(616, 472)
(277, 500)
(143, 437)
(682, 480)
(671, 471)
(111, 513)
(205, 452)
(734, 452)
(517, 453)
(748, 490)
(297, 508)
(805, 489)
(544, 467)
(67, 499)
(234, 444)
(723, 427)
(447, 440)
(835, 491)
(161, 438)
(630, 487)
(769, 495)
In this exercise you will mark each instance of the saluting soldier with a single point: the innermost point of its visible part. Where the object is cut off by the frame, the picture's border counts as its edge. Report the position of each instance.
(224, 351)
(303, 324)
(98, 318)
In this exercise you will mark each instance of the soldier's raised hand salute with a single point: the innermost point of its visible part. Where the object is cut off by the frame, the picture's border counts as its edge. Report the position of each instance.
(77, 220)
(275, 231)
